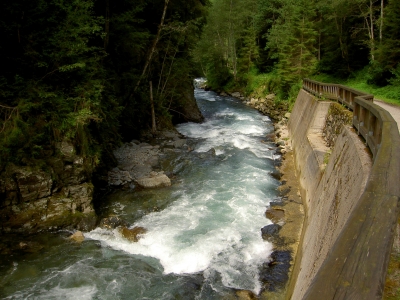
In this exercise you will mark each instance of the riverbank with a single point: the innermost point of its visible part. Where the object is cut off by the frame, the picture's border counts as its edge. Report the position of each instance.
(288, 212)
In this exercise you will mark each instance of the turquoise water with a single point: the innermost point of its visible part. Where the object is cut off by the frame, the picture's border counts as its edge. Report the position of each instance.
(203, 237)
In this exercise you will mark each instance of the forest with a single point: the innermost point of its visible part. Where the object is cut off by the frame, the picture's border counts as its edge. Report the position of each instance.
(80, 70)
(272, 44)
(98, 72)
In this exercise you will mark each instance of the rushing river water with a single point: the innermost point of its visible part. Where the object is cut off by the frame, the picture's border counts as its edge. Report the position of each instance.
(203, 237)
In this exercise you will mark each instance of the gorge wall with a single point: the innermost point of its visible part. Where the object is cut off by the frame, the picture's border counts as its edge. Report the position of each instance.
(350, 221)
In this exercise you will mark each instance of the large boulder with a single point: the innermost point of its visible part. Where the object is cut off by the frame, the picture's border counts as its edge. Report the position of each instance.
(236, 95)
(275, 274)
(270, 231)
(155, 180)
(276, 215)
(77, 237)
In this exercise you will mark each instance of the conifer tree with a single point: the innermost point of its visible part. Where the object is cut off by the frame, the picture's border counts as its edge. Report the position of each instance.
(293, 40)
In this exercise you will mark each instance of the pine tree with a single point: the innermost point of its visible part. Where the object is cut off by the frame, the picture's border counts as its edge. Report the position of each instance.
(293, 39)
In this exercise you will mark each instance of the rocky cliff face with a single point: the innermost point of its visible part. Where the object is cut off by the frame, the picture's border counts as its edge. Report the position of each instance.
(184, 108)
(57, 196)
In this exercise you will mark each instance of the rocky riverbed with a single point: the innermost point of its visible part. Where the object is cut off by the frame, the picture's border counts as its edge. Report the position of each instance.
(139, 162)
(287, 212)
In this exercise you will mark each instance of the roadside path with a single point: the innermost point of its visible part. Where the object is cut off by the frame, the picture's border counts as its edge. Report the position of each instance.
(394, 110)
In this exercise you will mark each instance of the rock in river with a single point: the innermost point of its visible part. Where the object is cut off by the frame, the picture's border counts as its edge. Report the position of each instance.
(132, 234)
(154, 181)
(270, 231)
(77, 237)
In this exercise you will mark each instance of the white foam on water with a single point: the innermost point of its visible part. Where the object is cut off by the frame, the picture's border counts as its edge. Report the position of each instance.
(219, 151)
(82, 293)
(196, 234)
(214, 223)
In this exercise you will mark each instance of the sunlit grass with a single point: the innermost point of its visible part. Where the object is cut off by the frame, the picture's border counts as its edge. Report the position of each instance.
(389, 93)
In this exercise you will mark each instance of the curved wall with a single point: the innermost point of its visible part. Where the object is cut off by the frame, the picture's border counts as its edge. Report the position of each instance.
(351, 203)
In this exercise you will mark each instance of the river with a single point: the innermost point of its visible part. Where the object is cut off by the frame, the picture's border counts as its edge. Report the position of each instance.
(203, 237)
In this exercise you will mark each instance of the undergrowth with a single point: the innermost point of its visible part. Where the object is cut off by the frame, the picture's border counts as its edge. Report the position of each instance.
(259, 85)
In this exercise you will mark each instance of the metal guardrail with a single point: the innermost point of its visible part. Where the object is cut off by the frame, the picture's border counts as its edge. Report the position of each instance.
(366, 117)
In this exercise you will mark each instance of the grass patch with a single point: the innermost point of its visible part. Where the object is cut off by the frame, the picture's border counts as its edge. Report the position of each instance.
(389, 93)
(261, 84)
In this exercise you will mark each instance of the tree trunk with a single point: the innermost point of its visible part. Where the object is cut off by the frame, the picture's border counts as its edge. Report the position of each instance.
(371, 19)
(381, 26)
(153, 47)
(107, 25)
(153, 114)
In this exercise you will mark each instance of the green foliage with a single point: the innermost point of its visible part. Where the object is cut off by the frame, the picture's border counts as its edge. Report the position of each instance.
(292, 40)
(389, 93)
(387, 54)
(73, 66)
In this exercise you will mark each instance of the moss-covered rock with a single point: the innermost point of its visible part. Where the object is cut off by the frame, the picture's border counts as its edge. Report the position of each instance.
(37, 198)
(337, 117)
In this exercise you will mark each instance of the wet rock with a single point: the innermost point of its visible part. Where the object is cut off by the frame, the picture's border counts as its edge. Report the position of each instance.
(113, 222)
(270, 97)
(223, 94)
(277, 202)
(119, 177)
(284, 190)
(270, 137)
(155, 181)
(245, 295)
(179, 143)
(169, 134)
(270, 231)
(73, 175)
(236, 94)
(276, 174)
(66, 148)
(153, 161)
(140, 171)
(77, 237)
(209, 154)
(84, 222)
(30, 246)
(145, 145)
(132, 234)
(281, 143)
(169, 145)
(33, 185)
(274, 274)
(276, 215)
